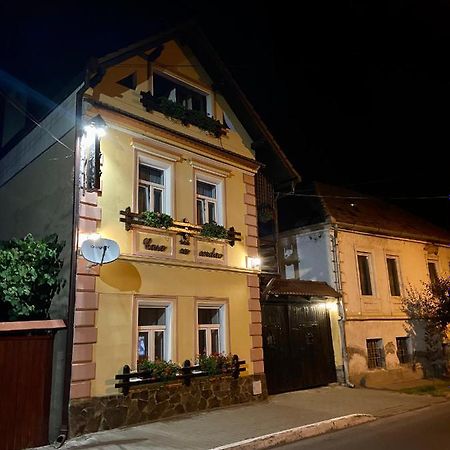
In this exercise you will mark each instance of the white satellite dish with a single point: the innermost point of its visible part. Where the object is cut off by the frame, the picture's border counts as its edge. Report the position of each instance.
(100, 251)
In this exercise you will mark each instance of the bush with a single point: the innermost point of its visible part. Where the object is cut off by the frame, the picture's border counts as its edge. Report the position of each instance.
(163, 370)
(156, 219)
(29, 277)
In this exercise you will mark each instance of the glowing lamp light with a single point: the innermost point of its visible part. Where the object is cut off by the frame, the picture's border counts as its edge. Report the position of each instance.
(253, 263)
(97, 126)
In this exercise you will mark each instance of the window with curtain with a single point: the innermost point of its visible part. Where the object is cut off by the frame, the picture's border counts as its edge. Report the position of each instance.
(210, 330)
(152, 333)
(152, 190)
(207, 202)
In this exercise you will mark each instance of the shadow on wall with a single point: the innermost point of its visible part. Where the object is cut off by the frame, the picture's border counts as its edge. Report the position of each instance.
(121, 275)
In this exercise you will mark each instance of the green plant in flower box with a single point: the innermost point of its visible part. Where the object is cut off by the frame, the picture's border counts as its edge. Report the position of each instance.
(162, 370)
(216, 363)
(156, 219)
(214, 230)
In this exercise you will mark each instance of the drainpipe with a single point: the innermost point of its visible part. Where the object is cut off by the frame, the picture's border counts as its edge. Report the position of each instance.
(341, 310)
(91, 71)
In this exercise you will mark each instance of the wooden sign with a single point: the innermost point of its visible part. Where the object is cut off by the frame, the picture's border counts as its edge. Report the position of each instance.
(212, 252)
(154, 244)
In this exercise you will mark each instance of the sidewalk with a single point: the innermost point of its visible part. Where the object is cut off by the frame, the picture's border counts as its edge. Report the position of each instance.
(220, 427)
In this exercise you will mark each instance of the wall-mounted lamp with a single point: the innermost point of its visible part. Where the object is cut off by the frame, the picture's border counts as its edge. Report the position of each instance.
(253, 263)
(96, 126)
(94, 130)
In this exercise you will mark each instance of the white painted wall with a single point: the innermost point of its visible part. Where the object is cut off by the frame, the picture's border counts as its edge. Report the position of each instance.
(307, 255)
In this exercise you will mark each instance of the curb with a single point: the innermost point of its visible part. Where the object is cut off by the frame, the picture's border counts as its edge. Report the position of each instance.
(298, 433)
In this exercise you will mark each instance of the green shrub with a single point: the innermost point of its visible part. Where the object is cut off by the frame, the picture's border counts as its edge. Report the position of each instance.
(214, 230)
(163, 370)
(29, 277)
(156, 219)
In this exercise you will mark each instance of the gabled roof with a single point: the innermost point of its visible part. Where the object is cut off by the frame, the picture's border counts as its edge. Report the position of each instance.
(267, 150)
(265, 146)
(301, 288)
(355, 211)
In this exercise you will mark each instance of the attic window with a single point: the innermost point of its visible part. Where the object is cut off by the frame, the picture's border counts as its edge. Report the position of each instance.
(130, 81)
(188, 97)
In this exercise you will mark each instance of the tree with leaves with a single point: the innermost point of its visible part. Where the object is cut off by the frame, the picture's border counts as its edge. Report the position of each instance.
(428, 309)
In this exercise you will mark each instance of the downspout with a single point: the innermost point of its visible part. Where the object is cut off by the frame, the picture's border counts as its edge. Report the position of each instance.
(64, 430)
(341, 310)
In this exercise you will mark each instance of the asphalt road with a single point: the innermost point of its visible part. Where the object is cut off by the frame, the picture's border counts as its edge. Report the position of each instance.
(423, 429)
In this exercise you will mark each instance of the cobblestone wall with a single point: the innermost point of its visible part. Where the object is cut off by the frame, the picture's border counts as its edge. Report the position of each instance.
(158, 401)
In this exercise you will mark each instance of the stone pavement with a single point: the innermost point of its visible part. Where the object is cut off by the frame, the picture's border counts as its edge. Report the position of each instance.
(216, 428)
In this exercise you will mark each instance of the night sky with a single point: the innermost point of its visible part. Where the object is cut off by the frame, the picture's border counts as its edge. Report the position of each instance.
(356, 93)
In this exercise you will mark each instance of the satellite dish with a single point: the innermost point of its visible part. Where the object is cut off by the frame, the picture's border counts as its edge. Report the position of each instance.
(100, 251)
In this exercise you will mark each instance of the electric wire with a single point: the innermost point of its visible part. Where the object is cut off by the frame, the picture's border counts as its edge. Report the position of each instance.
(356, 197)
(27, 114)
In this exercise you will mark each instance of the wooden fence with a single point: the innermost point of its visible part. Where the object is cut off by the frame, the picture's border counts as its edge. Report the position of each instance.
(129, 379)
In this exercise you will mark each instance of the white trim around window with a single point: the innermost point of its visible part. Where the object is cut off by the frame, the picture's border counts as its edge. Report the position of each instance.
(159, 194)
(210, 207)
(212, 335)
(149, 334)
(189, 84)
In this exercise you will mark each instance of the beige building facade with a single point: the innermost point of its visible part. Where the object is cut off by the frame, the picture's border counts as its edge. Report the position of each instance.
(371, 253)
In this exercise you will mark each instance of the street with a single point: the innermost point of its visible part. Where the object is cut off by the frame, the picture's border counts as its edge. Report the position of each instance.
(422, 429)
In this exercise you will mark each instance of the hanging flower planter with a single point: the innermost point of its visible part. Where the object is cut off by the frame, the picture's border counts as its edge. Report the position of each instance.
(184, 115)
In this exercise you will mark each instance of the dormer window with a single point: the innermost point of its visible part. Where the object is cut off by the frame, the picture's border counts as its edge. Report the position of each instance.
(184, 95)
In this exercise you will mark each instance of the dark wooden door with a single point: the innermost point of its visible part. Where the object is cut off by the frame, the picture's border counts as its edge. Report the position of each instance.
(25, 380)
(298, 348)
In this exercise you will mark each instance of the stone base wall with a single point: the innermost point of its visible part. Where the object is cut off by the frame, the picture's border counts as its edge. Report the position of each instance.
(162, 400)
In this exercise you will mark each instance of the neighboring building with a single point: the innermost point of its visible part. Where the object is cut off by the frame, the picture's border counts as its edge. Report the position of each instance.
(171, 294)
(370, 252)
(301, 337)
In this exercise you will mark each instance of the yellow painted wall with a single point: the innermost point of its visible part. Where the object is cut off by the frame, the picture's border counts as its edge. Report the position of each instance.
(118, 189)
(178, 62)
(381, 306)
(183, 279)
(122, 281)
(412, 265)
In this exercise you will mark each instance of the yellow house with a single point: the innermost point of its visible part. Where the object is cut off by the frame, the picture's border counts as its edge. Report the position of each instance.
(370, 252)
(177, 141)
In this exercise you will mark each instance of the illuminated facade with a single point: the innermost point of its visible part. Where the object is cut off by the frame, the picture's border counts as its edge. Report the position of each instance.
(171, 180)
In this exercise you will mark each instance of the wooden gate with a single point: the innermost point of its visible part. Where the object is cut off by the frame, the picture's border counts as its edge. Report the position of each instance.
(298, 347)
(25, 385)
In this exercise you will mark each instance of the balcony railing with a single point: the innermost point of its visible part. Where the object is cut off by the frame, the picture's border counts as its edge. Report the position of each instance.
(184, 228)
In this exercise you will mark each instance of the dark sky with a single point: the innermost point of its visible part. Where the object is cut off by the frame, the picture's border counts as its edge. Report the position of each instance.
(356, 93)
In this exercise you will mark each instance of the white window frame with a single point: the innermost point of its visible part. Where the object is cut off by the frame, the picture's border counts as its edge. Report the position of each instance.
(219, 184)
(433, 261)
(371, 274)
(183, 82)
(167, 189)
(151, 329)
(221, 327)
